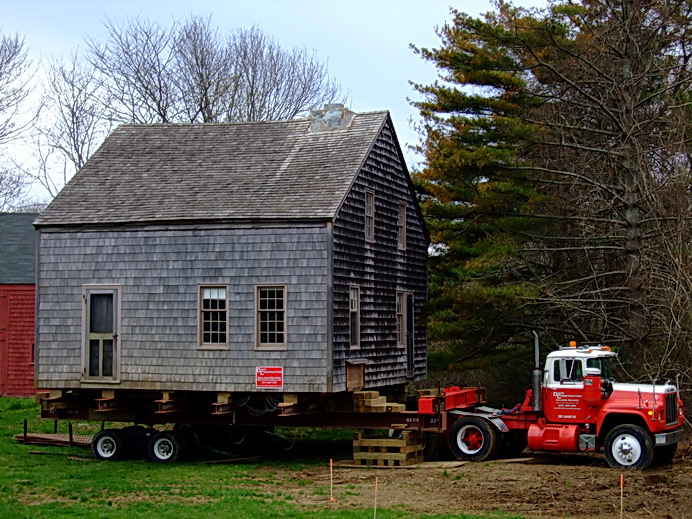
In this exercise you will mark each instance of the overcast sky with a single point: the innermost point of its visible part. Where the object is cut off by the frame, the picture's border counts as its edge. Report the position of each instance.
(365, 42)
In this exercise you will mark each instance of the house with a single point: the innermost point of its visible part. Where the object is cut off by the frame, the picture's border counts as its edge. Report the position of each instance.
(17, 296)
(285, 256)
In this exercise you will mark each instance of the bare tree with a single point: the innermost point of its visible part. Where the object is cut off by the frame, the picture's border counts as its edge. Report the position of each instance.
(135, 64)
(274, 83)
(204, 72)
(13, 185)
(75, 106)
(15, 79)
(189, 73)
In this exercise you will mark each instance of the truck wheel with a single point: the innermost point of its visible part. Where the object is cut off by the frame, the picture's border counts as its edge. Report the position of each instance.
(628, 447)
(166, 447)
(108, 445)
(664, 454)
(513, 444)
(472, 438)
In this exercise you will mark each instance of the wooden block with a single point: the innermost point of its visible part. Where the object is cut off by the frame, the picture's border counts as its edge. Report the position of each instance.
(372, 402)
(362, 395)
(223, 398)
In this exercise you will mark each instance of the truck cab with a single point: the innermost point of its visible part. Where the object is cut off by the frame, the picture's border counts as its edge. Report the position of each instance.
(635, 424)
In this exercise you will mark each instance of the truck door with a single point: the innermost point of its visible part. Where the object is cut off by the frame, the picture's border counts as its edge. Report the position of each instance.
(564, 388)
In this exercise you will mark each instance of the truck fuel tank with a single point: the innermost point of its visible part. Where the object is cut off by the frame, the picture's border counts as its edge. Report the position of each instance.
(548, 437)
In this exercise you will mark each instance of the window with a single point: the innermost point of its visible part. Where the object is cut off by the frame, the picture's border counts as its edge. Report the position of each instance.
(400, 328)
(354, 316)
(213, 316)
(271, 317)
(568, 370)
(100, 322)
(401, 227)
(369, 216)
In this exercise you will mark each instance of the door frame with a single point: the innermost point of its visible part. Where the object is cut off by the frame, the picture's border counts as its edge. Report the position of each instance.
(87, 291)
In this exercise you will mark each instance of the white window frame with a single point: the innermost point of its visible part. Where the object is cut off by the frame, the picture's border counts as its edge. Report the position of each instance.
(354, 308)
(401, 316)
(200, 317)
(87, 292)
(258, 321)
(369, 215)
(401, 226)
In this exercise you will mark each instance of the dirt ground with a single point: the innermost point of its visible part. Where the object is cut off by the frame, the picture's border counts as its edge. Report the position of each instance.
(533, 486)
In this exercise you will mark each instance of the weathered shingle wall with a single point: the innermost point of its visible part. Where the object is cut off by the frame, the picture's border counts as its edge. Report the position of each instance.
(159, 272)
(379, 269)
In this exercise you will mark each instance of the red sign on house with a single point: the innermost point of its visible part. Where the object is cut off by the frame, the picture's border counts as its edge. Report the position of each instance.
(269, 377)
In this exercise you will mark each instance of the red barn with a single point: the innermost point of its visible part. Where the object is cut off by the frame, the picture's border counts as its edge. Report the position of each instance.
(17, 303)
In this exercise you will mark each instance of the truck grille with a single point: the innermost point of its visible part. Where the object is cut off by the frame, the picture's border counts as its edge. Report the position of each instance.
(671, 409)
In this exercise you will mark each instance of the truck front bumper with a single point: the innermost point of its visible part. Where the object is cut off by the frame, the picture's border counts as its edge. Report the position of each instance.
(669, 438)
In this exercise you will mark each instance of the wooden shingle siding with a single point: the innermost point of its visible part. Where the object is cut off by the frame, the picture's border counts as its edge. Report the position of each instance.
(158, 273)
(379, 269)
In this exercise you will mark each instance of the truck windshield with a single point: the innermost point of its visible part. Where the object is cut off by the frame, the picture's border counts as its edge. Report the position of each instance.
(602, 363)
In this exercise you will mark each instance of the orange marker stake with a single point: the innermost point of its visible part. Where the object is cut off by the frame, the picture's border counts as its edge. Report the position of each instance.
(331, 480)
(374, 514)
(622, 494)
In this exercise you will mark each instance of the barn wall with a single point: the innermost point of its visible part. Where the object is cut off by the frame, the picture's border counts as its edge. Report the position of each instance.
(379, 269)
(16, 340)
(159, 272)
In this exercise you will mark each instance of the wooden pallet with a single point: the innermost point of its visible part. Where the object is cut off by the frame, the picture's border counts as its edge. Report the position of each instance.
(371, 449)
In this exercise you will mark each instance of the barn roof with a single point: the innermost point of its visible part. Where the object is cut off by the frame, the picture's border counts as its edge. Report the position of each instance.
(271, 170)
(17, 248)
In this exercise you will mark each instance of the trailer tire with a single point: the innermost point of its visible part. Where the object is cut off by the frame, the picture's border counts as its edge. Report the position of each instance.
(628, 447)
(433, 445)
(474, 439)
(108, 445)
(167, 447)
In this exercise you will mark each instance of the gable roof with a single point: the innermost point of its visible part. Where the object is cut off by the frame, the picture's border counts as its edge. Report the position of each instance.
(18, 246)
(270, 170)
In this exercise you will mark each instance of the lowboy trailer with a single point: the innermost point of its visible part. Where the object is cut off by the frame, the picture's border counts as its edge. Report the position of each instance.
(573, 406)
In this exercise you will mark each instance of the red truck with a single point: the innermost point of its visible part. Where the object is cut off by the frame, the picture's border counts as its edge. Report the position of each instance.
(574, 405)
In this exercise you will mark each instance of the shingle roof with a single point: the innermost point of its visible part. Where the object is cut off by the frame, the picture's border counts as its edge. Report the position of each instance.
(196, 172)
(17, 248)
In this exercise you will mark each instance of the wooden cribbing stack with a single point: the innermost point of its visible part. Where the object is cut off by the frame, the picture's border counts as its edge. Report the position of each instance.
(406, 448)
(372, 402)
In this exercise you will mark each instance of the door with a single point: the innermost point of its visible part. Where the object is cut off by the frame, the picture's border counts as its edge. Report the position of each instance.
(410, 361)
(4, 324)
(564, 391)
(101, 355)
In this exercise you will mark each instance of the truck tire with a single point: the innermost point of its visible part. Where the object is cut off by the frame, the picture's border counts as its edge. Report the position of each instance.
(664, 454)
(628, 447)
(108, 445)
(513, 444)
(474, 439)
(166, 447)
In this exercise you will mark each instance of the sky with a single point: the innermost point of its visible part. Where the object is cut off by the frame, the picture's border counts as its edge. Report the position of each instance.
(364, 42)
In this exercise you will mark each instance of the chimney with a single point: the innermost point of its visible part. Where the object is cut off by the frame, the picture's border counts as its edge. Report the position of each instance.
(331, 117)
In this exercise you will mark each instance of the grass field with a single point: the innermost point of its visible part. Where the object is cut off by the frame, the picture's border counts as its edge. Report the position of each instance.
(68, 482)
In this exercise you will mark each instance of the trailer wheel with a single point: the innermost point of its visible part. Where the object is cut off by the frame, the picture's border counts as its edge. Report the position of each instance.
(474, 439)
(108, 445)
(166, 447)
(433, 445)
(628, 447)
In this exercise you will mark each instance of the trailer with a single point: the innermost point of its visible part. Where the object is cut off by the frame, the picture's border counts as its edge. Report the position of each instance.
(574, 405)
